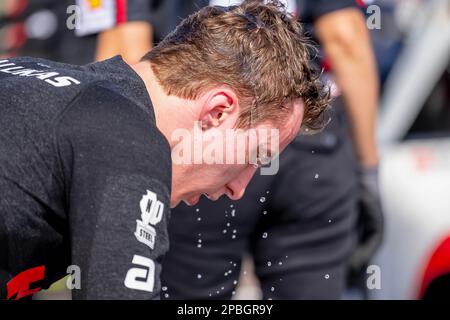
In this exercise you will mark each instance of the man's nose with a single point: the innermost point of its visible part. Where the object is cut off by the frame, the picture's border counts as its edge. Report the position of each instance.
(236, 188)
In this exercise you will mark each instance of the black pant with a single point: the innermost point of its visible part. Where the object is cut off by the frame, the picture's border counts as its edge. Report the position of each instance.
(298, 225)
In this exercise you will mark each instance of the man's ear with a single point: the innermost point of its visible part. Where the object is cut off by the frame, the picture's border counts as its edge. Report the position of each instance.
(220, 105)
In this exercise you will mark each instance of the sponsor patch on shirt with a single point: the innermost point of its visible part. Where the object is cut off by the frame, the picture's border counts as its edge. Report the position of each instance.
(151, 214)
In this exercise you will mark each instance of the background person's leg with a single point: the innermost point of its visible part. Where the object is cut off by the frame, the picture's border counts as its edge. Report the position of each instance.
(206, 246)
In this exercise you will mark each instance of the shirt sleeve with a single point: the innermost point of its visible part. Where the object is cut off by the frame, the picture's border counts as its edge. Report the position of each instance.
(117, 170)
(98, 16)
(311, 10)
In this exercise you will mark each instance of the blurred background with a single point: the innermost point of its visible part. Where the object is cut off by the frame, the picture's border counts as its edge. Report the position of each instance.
(412, 49)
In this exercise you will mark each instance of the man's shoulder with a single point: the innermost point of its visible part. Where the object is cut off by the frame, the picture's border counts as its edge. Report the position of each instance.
(111, 122)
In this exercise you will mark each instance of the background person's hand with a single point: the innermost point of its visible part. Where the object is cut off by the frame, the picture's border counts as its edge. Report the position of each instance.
(370, 221)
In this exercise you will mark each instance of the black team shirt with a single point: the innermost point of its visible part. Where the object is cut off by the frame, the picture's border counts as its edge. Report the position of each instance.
(85, 178)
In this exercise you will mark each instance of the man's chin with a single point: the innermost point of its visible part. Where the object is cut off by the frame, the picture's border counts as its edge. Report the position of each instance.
(192, 201)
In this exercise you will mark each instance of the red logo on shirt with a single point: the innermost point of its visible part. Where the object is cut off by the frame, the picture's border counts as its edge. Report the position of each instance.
(19, 286)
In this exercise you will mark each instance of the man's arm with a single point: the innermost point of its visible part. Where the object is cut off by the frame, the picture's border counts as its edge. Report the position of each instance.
(132, 40)
(117, 173)
(345, 39)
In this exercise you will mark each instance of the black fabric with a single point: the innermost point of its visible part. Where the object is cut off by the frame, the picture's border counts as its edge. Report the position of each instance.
(309, 220)
(79, 149)
(311, 10)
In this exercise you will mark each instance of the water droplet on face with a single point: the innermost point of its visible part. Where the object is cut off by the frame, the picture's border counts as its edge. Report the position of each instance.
(233, 293)
(264, 235)
(262, 199)
(316, 176)
(272, 289)
(269, 263)
(199, 276)
(327, 276)
(245, 272)
(164, 288)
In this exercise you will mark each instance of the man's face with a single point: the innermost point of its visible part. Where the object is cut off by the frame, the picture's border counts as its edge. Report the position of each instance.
(224, 159)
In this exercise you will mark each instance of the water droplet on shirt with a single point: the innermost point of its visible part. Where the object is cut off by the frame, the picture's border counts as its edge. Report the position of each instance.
(166, 296)
(316, 176)
(164, 288)
(269, 263)
(264, 212)
(197, 210)
(327, 276)
(228, 224)
(199, 219)
(235, 282)
(272, 289)
(199, 245)
(280, 263)
(262, 199)
(234, 231)
(233, 213)
(264, 235)
(224, 231)
(231, 206)
(233, 236)
(199, 276)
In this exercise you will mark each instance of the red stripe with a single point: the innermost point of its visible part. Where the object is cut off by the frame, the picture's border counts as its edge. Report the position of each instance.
(438, 265)
(121, 7)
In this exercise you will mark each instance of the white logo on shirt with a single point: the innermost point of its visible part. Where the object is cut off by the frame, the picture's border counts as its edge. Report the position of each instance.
(151, 214)
(142, 278)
